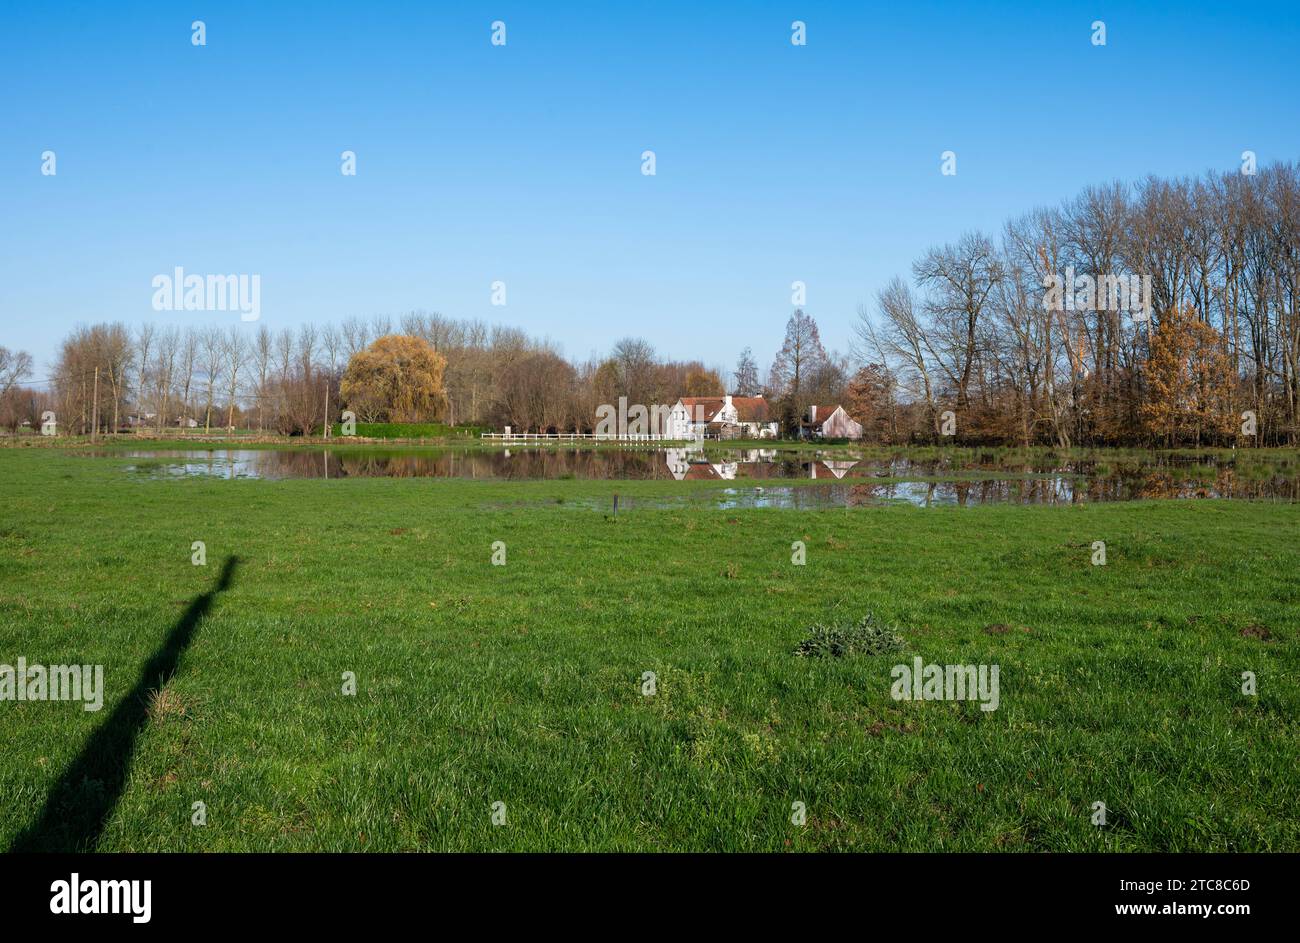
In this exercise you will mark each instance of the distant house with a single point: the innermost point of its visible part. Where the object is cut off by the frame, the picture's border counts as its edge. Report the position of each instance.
(145, 419)
(829, 422)
(722, 417)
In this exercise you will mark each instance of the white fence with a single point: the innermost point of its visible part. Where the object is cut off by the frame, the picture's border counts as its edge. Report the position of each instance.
(575, 437)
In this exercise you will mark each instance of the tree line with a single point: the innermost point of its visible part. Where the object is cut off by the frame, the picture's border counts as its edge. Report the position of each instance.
(979, 343)
(111, 377)
(1215, 359)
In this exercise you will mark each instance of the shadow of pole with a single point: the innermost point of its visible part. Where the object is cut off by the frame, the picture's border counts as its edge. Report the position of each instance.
(81, 802)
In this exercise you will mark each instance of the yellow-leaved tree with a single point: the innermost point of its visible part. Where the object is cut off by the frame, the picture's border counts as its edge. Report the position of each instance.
(398, 378)
(1189, 382)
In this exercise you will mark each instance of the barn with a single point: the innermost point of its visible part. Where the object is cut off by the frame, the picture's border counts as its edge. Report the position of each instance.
(829, 422)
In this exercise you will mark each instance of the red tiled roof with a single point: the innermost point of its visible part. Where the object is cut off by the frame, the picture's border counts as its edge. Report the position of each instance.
(748, 408)
(708, 407)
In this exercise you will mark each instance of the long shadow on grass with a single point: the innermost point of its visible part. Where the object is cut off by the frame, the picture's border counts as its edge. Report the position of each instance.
(81, 802)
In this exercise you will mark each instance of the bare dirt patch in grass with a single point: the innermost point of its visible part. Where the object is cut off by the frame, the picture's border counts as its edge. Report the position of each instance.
(1257, 631)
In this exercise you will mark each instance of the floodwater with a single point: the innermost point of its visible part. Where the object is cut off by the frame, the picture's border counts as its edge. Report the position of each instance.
(766, 477)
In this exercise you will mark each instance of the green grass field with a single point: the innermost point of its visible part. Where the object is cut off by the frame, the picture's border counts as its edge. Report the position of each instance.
(521, 684)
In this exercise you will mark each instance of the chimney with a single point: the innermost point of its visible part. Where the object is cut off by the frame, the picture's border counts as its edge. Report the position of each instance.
(726, 401)
(812, 413)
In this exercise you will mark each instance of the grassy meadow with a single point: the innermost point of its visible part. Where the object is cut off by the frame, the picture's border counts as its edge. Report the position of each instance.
(522, 684)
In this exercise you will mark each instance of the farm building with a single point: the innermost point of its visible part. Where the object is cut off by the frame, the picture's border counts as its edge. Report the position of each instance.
(829, 422)
(722, 417)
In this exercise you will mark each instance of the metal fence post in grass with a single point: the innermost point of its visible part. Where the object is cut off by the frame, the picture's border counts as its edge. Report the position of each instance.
(615, 505)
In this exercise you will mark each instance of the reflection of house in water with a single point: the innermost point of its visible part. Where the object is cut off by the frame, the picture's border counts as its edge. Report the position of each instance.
(838, 468)
(678, 462)
(693, 465)
(702, 471)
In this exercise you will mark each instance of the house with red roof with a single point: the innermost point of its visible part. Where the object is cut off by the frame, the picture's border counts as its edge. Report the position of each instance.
(721, 417)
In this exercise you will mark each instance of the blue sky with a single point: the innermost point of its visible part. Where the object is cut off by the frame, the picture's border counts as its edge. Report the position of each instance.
(522, 163)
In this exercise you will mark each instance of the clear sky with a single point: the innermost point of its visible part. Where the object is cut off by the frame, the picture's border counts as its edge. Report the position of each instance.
(522, 163)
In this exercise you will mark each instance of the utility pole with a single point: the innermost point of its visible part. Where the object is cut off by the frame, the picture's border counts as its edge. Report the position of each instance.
(327, 409)
(94, 408)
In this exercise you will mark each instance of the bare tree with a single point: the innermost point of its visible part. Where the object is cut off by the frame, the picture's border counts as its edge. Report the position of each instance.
(801, 354)
(747, 382)
(236, 356)
(15, 366)
(634, 358)
(356, 336)
(959, 279)
(115, 360)
(332, 347)
(164, 372)
(898, 342)
(212, 348)
(262, 349)
(144, 341)
(189, 352)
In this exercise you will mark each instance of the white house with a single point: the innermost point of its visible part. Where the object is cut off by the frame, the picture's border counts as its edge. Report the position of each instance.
(723, 417)
(830, 422)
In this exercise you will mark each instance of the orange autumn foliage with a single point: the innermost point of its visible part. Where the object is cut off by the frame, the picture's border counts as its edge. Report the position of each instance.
(1189, 381)
(397, 378)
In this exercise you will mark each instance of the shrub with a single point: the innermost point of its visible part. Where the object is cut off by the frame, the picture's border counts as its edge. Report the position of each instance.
(411, 430)
(866, 637)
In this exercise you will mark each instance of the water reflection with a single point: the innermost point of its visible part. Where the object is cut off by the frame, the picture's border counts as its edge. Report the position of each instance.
(848, 481)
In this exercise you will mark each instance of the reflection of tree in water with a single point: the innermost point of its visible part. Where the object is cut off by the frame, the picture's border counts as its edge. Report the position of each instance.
(509, 464)
(866, 481)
